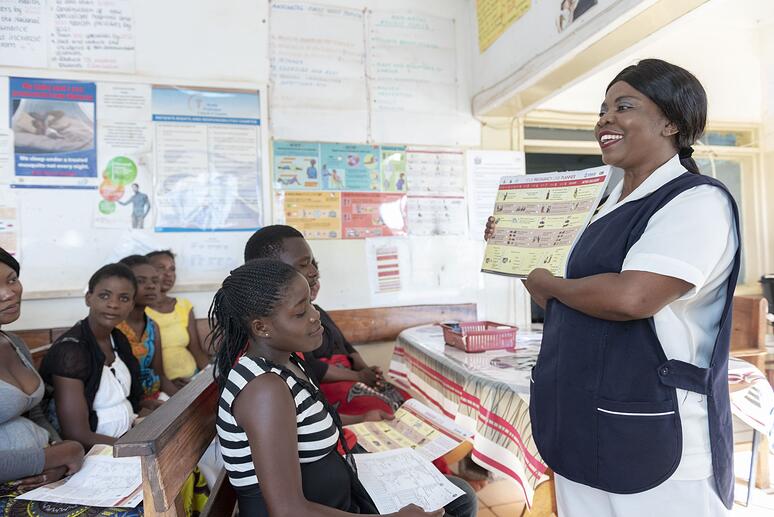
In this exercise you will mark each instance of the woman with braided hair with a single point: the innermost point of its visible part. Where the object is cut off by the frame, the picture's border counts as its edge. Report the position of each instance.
(278, 435)
(349, 383)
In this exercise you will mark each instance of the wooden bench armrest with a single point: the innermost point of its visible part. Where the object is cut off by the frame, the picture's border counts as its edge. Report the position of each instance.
(171, 440)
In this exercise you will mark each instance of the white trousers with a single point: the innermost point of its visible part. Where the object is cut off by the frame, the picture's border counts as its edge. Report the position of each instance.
(683, 498)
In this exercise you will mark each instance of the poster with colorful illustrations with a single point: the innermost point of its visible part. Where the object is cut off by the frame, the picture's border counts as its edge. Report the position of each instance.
(350, 167)
(296, 165)
(54, 129)
(539, 218)
(394, 169)
(315, 214)
(372, 214)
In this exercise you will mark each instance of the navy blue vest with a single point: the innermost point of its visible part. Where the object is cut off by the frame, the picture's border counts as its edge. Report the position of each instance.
(603, 404)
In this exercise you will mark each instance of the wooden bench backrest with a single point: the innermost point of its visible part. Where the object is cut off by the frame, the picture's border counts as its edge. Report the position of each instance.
(749, 323)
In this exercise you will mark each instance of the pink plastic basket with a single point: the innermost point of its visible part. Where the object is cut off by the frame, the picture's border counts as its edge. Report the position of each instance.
(479, 336)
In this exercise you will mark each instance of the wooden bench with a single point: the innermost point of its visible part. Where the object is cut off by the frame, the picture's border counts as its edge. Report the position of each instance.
(171, 440)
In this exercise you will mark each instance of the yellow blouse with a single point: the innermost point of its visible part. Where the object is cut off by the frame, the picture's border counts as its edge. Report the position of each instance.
(179, 362)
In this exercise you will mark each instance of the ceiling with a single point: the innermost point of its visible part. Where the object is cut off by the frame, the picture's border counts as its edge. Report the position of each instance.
(720, 42)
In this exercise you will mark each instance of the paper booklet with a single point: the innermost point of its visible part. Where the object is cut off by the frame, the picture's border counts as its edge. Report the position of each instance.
(539, 218)
(397, 478)
(415, 426)
(103, 481)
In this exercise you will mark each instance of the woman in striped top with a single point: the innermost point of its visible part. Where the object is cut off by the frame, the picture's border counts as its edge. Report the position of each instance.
(277, 433)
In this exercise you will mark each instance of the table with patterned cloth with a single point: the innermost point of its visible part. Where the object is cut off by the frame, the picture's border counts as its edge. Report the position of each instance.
(487, 393)
(12, 507)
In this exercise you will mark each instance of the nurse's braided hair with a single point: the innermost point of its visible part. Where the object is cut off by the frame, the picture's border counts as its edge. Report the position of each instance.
(249, 292)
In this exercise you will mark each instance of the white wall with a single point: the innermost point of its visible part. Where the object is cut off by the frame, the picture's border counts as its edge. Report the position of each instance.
(720, 31)
(225, 44)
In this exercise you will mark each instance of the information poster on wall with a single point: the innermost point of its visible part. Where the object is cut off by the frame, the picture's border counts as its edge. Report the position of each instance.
(91, 35)
(436, 187)
(394, 169)
(539, 218)
(495, 16)
(437, 215)
(372, 214)
(315, 214)
(23, 33)
(350, 167)
(207, 150)
(125, 194)
(297, 165)
(53, 123)
(485, 168)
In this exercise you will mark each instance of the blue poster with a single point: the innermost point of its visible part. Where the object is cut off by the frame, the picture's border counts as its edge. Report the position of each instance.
(296, 165)
(53, 123)
(350, 167)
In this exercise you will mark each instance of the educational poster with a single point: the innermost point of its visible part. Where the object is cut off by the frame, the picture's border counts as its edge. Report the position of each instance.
(539, 218)
(415, 426)
(125, 195)
(54, 128)
(372, 214)
(384, 257)
(394, 169)
(495, 16)
(412, 62)
(297, 165)
(350, 167)
(485, 168)
(437, 215)
(23, 33)
(91, 35)
(9, 221)
(435, 171)
(315, 214)
(210, 255)
(317, 71)
(207, 151)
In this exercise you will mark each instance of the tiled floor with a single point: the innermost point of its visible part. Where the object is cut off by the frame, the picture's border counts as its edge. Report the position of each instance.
(502, 498)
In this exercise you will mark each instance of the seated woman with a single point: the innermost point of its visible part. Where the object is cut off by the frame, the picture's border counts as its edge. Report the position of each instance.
(143, 333)
(31, 453)
(180, 343)
(93, 380)
(277, 432)
(348, 382)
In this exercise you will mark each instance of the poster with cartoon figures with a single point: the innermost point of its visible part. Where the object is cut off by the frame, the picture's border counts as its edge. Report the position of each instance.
(296, 165)
(372, 214)
(539, 218)
(315, 214)
(394, 169)
(350, 167)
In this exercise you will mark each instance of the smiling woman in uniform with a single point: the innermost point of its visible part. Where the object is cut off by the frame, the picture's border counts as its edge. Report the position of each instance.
(629, 401)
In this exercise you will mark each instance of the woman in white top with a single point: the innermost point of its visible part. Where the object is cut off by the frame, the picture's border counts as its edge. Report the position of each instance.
(629, 401)
(93, 379)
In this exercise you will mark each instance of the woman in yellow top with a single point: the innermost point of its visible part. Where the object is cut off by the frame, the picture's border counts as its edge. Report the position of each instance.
(180, 344)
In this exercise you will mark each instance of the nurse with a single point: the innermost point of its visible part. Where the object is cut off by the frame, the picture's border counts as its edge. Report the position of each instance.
(629, 400)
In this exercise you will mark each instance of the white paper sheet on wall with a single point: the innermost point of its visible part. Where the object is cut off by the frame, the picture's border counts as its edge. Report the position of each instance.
(317, 72)
(91, 35)
(23, 33)
(485, 168)
(9, 221)
(388, 260)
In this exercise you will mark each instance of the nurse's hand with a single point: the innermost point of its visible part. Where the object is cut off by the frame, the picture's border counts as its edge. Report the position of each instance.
(537, 283)
(490, 228)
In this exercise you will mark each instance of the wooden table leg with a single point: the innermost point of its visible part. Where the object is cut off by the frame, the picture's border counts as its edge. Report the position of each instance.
(544, 500)
(762, 469)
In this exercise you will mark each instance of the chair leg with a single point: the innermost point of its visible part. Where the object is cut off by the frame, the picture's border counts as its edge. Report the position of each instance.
(753, 464)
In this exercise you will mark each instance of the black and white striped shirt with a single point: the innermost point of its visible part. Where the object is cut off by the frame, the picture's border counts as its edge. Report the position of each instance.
(317, 432)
